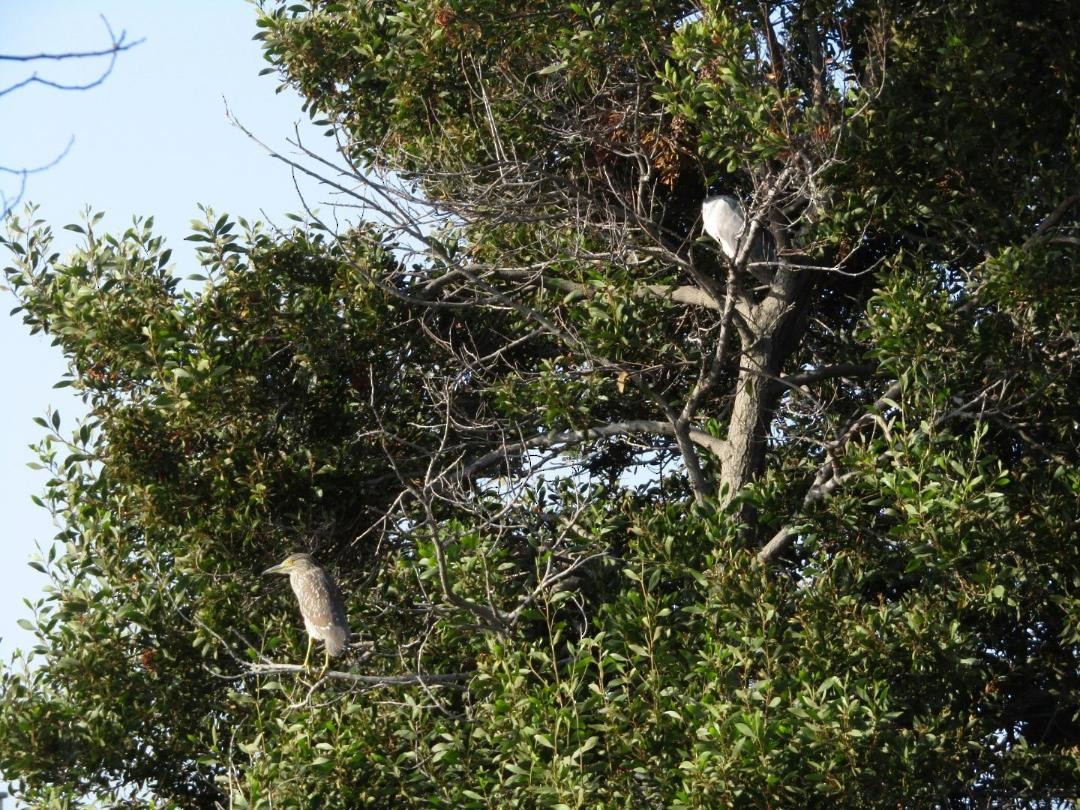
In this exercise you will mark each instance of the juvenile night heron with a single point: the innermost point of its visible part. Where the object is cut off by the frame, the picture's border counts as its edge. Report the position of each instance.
(321, 604)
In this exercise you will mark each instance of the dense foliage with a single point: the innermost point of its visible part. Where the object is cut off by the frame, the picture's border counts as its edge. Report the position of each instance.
(620, 522)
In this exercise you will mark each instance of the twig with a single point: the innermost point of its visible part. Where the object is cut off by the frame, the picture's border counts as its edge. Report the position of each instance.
(373, 681)
(116, 47)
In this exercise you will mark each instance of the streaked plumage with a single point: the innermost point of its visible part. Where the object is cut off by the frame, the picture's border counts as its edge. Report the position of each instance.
(320, 603)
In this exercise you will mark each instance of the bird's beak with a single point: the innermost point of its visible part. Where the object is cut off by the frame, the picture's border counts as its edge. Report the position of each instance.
(275, 569)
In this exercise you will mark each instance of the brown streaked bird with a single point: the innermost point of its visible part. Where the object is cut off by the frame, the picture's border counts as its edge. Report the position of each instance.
(320, 602)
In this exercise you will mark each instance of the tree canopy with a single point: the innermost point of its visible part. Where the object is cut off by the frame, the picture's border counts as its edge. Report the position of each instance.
(620, 521)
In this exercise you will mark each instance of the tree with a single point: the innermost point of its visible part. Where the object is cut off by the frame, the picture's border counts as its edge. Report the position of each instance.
(620, 521)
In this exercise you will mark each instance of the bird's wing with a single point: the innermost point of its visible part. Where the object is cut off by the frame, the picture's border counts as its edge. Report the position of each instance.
(337, 603)
(322, 606)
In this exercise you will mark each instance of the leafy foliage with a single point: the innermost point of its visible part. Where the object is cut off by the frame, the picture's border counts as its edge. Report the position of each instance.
(619, 523)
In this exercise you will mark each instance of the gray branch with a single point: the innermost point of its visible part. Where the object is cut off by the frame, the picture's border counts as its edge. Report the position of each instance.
(374, 681)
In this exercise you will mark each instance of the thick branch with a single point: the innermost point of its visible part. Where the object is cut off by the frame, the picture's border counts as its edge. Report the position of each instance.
(683, 294)
(811, 376)
(1052, 219)
(776, 53)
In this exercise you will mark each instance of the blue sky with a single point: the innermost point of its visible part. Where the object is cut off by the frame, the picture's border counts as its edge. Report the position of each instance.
(152, 140)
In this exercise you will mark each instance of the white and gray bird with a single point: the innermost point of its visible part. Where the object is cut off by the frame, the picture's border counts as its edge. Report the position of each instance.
(724, 221)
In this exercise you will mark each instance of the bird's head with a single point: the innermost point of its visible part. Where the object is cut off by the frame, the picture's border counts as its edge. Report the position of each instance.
(293, 562)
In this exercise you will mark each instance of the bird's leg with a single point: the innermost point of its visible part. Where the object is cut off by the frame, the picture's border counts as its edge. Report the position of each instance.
(326, 664)
(307, 655)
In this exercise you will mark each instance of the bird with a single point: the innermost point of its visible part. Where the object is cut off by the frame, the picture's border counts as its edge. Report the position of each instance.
(723, 219)
(320, 602)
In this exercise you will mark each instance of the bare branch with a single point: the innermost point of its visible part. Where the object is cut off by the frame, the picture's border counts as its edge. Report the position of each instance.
(827, 479)
(571, 437)
(370, 681)
(1052, 219)
(811, 376)
(116, 46)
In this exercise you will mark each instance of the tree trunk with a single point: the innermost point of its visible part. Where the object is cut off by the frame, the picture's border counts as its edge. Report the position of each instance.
(776, 325)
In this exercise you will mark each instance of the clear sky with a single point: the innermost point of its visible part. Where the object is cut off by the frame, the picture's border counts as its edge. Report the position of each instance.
(152, 140)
